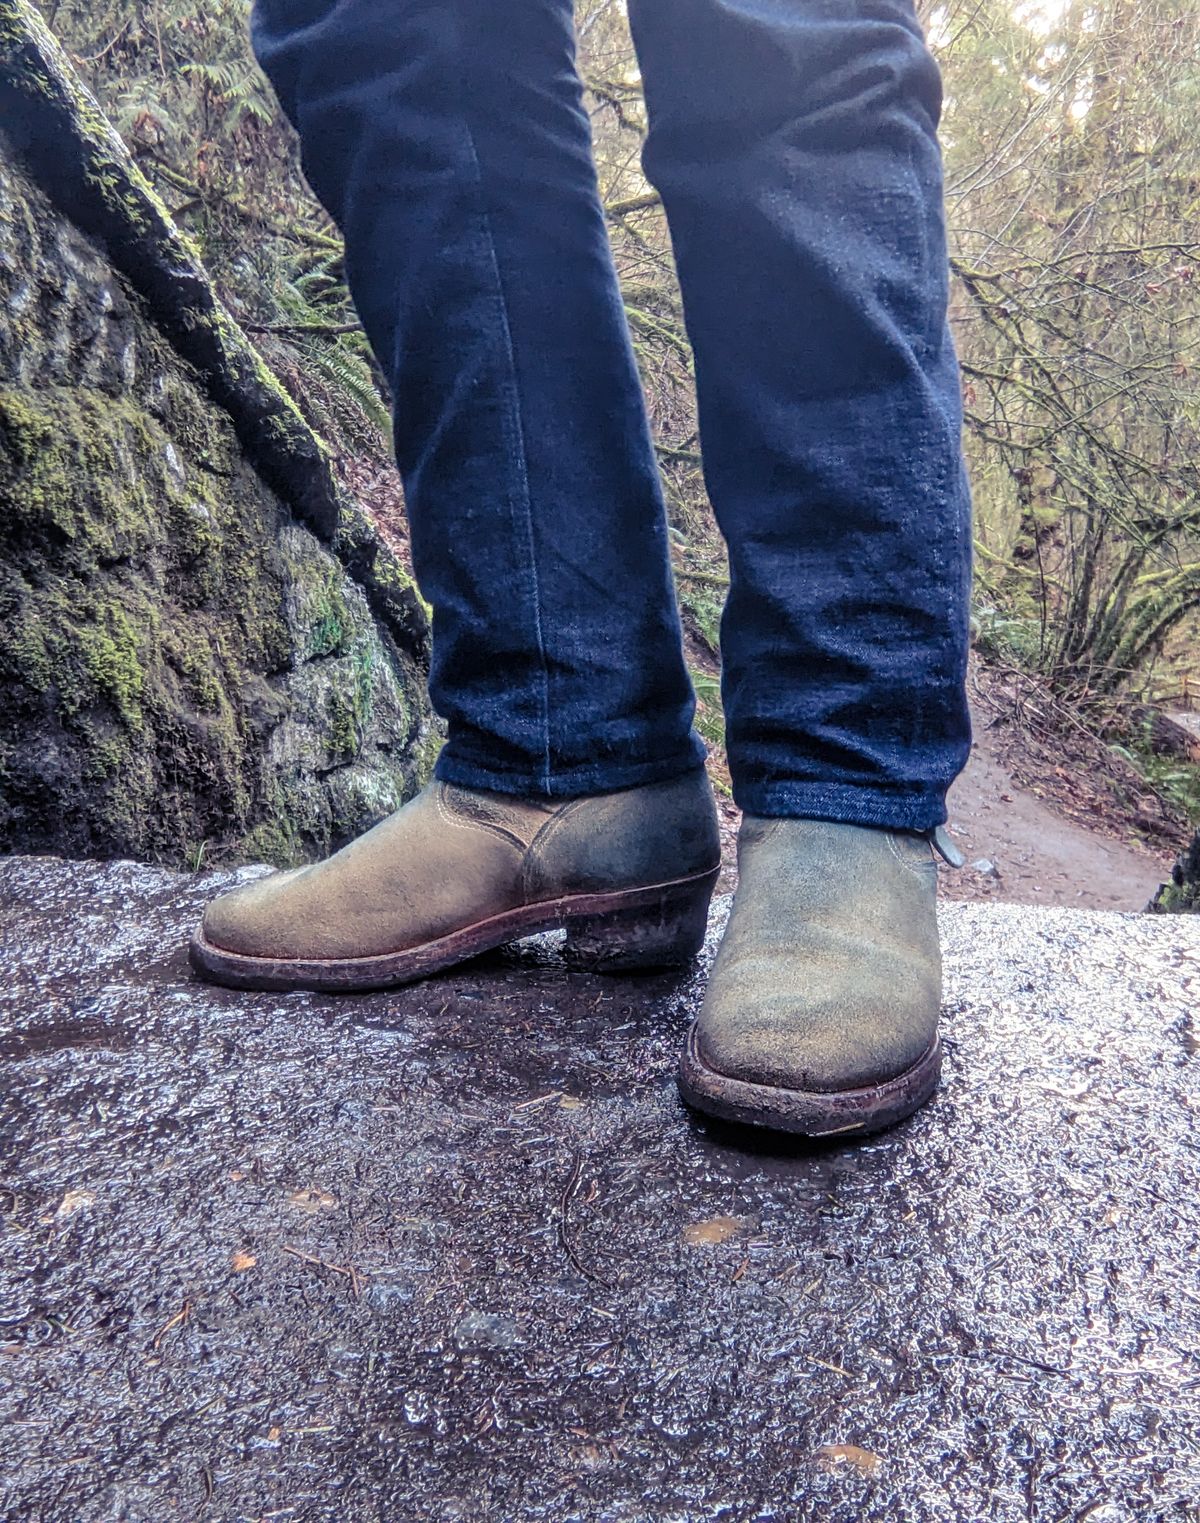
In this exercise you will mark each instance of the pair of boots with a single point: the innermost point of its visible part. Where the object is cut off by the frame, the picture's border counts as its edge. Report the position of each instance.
(821, 1010)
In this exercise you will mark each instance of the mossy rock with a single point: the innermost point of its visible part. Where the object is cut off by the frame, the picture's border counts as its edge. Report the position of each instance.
(187, 670)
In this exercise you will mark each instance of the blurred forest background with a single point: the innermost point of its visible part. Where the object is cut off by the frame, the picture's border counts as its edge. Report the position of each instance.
(1072, 141)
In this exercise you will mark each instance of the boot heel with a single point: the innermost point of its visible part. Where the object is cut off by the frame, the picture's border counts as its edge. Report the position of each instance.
(666, 931)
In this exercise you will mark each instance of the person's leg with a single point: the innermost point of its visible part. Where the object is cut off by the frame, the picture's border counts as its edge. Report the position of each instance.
(448, 140)
(794, 144)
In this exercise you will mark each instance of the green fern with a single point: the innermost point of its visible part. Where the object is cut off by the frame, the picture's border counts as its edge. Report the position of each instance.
(350, 378)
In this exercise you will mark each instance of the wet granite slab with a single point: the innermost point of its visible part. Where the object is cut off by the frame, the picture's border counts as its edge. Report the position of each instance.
(458, 1252)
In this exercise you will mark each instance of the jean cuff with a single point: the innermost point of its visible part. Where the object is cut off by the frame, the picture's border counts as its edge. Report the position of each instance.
(895, 808)
(571, 782)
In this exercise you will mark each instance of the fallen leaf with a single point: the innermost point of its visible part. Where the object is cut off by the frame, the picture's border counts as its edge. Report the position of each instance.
(74, 1200)
(718, 1229)
(241, 1261)
(835, 1456)
(311, 1198)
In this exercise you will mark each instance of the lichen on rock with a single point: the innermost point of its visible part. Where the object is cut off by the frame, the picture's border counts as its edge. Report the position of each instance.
(192, 662)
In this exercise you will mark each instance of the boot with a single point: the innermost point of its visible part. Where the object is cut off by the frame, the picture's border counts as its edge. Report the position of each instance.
(822, 1008)
(458, 871)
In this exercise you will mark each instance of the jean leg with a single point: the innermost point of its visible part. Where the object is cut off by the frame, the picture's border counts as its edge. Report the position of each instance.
(448, 140)
(795, 146)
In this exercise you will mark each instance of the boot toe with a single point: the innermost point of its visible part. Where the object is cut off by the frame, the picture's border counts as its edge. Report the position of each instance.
(829, 1013)
(814, 1048)
(246, 921)
(822, 1006)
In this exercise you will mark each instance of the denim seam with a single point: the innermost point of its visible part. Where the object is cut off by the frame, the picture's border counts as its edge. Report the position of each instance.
(513, 399)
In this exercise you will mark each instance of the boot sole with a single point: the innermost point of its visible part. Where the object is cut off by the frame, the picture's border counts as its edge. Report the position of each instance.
(629, 931)
(809, 1113)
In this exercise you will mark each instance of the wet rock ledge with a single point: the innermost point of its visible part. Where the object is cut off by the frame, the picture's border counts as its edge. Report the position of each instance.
(457, 1252)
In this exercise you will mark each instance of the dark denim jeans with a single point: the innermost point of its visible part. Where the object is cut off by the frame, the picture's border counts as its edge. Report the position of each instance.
(794, 144)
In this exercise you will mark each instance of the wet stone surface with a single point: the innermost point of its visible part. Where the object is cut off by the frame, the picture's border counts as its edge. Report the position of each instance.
(457, 1252)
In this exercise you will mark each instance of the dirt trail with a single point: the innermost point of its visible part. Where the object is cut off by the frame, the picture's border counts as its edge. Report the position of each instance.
(1039, 856)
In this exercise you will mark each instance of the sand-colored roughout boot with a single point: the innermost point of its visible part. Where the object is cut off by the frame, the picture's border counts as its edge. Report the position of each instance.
(822, 1008)
(458, 871)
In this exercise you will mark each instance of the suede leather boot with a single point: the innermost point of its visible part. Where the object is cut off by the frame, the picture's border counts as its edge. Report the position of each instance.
(822, 1008)
(458, 871)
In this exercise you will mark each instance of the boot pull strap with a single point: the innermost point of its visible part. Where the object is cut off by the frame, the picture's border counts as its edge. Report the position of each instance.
(942, 843)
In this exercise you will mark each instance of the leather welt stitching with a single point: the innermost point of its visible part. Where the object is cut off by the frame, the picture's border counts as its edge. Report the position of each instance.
(917, 869)
(470, 823)
(444, 813)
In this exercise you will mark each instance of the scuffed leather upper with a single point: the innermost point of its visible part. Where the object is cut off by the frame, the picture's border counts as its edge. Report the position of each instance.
(455, 856)
(829, 976)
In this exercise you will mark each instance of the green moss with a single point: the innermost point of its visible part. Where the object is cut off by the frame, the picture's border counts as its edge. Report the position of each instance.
(322, 620)
(39, 486)
(28, 431)
(154, 596)
(350, 708)
(236, 350)
(143, 599)
(1174, 900)
(275, 841)
(111, 652)
(24, 657)
(363, 667)
(64, 457)
(331, 627)
(106, 512)
(105, 759)
(192, 654)
(429, 747)
(344, 736)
